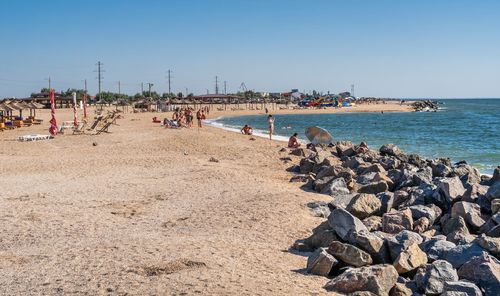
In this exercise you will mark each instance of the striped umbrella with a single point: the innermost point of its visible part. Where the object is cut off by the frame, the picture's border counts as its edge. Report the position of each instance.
(318, 135)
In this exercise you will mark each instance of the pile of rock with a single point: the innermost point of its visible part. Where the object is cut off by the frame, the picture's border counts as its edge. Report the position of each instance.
(399, 224)
(424, 106)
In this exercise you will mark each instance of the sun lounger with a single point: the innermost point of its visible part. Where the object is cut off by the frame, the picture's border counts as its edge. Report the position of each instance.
(31, 138)
(104, 129)
(80, 129)
(96, 122)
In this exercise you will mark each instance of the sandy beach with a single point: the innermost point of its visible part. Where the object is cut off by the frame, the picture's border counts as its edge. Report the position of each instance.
(144, 211)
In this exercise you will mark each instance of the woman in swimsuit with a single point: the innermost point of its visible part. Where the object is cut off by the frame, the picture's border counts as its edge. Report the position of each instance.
(270, 121)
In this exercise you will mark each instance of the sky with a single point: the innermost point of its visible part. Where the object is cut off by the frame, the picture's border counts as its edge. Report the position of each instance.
(400, 49)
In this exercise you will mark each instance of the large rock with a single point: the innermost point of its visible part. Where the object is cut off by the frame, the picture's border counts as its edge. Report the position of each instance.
(321, 183)
(389, 162)
(345, 150)
(400, 197)
(463, 253)
(306, 165)
(466, 173)
(453, 224)
(364, 205)
(494, 191)
(378, 279)
(341, 201)
(320, 262)
(374, 187)
(423, 176)
(303, 152)
(409, 259)
(471, 213)
(491, 244)
(436, 248)
(322, 236)
(474, 191)
(392, 150)
(401, 289)
(483, 270)
(353, 162)
(419, 211)
(461, 288)
(432, 278)
(451, 188)
(394, 222)
(336, 187)
(402, 241)
(386, 200)
(367, 168)
(343, 222)
(350, 254)
(373, 223)
(373, 245)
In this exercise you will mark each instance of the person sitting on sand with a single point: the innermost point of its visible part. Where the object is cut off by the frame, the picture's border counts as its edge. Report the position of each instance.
(293, 142)
(247, 130)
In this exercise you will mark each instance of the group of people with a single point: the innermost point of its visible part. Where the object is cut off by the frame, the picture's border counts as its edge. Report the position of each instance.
(293, 141)
(184, 117)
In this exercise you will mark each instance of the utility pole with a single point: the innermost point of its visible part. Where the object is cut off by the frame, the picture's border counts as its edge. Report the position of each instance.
(149, 87)
(352, 90)
(99, 78)
(216, 85)
(119, 88)
(169, 72)
(187, 92)
(225, 90)
(85, 81)
(142, 88)
(49, 84)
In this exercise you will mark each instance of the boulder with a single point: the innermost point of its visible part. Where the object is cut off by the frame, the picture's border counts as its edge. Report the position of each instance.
(419, 211)
(322, 236)
(374, 187)
(365, 178)
(423, 176)
(341, 201)
(364, 205)
(389, 163)
(336, 187)
(303, 152)
(483, 270)
(440, 170)
(436, 248)
(460, 238)
(494, 191)
(349, 254)
(463, 253)
(392, 150)
(466, 173)
(400, 197)
(299, 178)
(491, 244)
(394, 222)
(421, 225)
(373, 223)
(461, 288)
(471, 213)
(321, 183)
(378, 279)
(386, 200)
(345, 150)
(495, 206)
(451, 188)
(401, 289)
(343, 222)
(431, 279)
(319, 209)
(454, 224)
(373, 245)
(367, 168)
(402, 241)
(353, 162)
(320, 262)
(494, 232)
(409, 259)
(474, 191)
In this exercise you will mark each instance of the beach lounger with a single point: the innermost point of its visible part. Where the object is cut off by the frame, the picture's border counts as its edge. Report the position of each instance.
(96, 122)
(80, 129)
(104, 128)
(31, 138)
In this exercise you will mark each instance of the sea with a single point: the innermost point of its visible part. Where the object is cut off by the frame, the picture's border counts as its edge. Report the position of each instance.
(462, 129)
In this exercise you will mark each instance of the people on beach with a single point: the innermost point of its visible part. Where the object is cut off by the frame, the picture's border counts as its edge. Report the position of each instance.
(270, 121)
(293, 142)
(200, 116)
(247, 130)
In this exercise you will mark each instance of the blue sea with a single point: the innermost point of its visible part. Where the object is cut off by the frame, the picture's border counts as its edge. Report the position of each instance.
(463, 129)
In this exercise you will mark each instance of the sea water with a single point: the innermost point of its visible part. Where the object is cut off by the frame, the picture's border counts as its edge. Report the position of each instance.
(463, 129)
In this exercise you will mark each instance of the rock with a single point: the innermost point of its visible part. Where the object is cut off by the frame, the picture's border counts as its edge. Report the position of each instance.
(366, 169)
(388, 162)
(495, 205)
(440, 170)
(451, 188)
(400, 197)
(345, 150)
(474, 191)
(423, 176)
(460, 238)
(400, 289)
(491, 244)
(454, 224)
(386, 200)
(294, 169)
(336, 187)
(409, 259)
(94, 144)
(460, 288)
(496, 176)
(421, 225)
(471, 213)
(483, 270)
(494, 232)
(373, 245)
(416, 160)
(365, 179)
(394, 222)
(392, 150)
(419, 211)
(299, 178)
(343, 222)
(364, 205)
(374, 187)
(401, 242)
(321, 262)
(306, 165)
(303, 152)
(378, 279)
(373, 223)
(466, 173)
(436, 248)
(335, 171)
(341, 201)
(319, 209)
(353, 162)
(432, 278)
(494, 191)
(463, 253)
(322, 236)
(321, 183)
(349, 254)
(301, 246)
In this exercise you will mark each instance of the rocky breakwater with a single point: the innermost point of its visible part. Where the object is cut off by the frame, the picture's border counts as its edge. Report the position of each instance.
(420, 106)
(398, 224)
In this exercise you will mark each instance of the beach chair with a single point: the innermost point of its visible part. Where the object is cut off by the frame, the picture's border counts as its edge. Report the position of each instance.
(80, 129)
(104, 129)
(31, 138)
(96, 122)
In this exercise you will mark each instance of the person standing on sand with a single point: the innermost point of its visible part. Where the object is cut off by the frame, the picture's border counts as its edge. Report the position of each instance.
(270, 121)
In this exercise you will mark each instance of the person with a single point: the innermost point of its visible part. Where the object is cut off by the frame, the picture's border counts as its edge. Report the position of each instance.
(270, 121)
(199, 117)
(293, 142)
(247, 130)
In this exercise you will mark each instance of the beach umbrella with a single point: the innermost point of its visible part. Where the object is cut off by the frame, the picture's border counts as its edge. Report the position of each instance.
(318, 135)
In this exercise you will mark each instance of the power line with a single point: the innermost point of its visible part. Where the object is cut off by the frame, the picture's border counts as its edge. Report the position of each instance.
(169, 80)
(216, 85)
(99, 77)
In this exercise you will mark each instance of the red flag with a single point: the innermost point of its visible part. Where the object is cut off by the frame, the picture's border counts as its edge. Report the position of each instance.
(53, 122)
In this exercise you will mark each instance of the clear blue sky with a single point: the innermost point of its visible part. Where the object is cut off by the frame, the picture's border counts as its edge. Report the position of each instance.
(424, 48)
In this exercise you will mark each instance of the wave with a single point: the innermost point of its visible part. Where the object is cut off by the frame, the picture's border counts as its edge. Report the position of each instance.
(256, 132)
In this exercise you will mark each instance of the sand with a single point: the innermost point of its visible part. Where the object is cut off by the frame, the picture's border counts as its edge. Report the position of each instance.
(144, 212)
